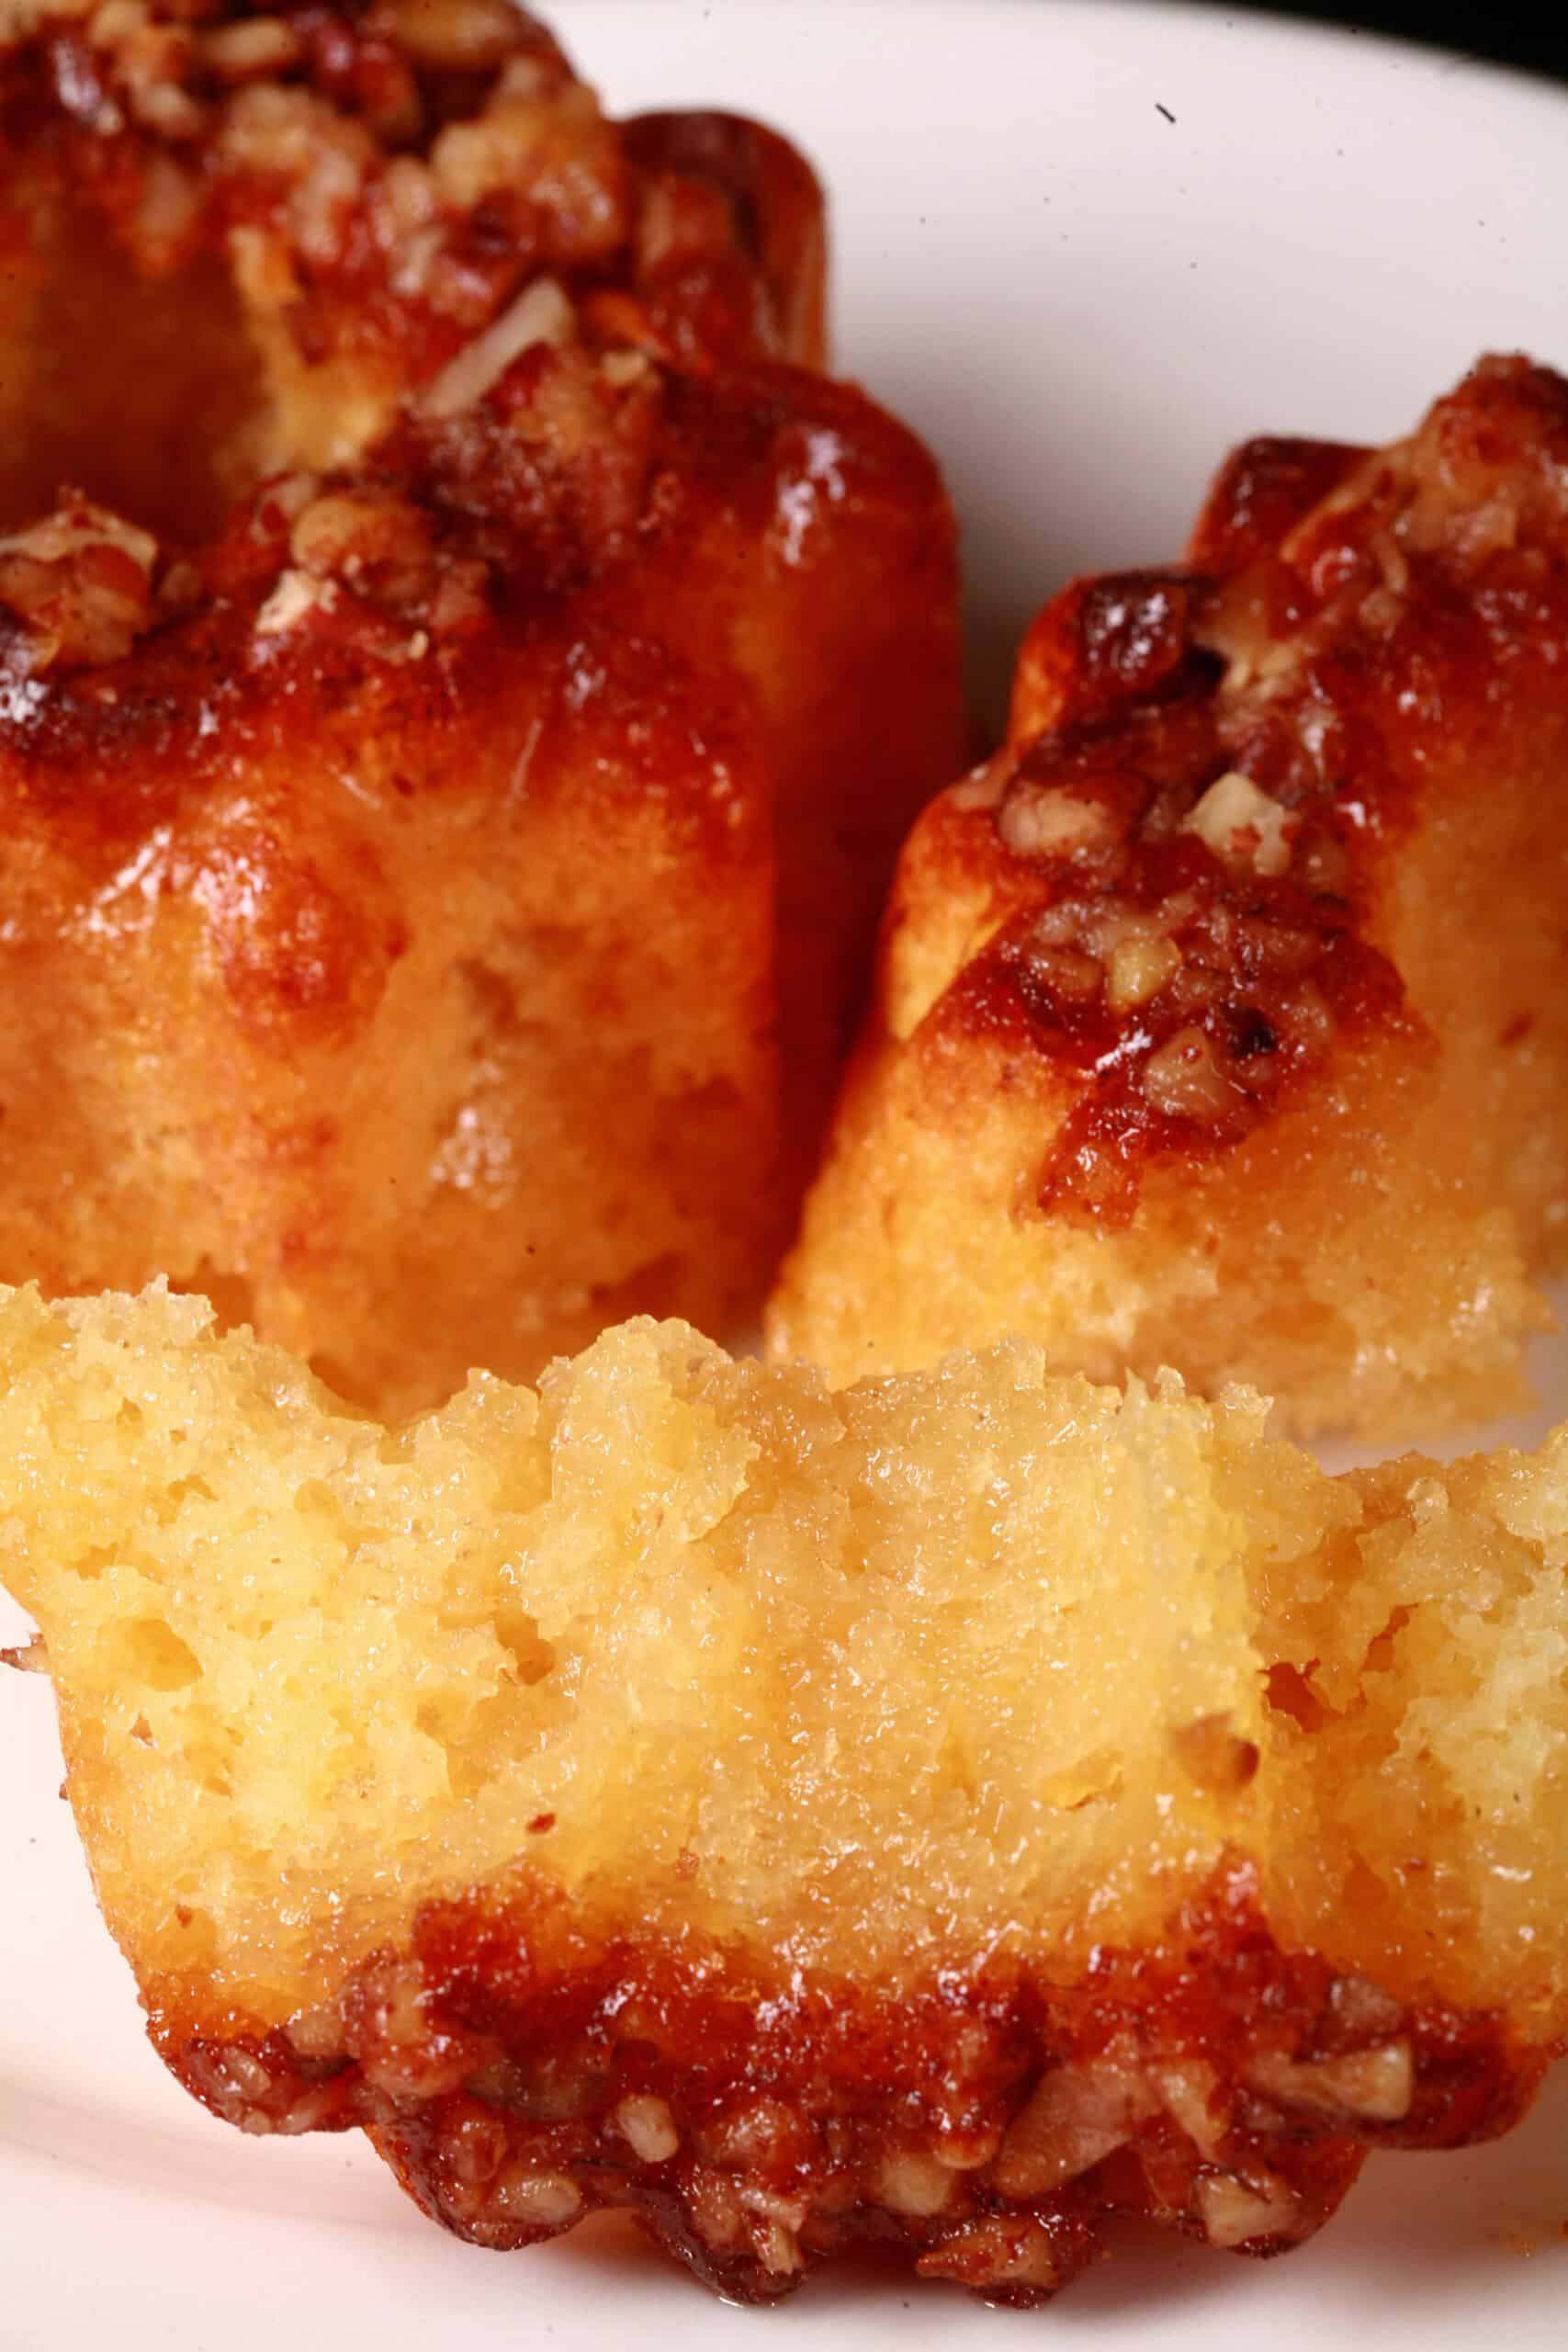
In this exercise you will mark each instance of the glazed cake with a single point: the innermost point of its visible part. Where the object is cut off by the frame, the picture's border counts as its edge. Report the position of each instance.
(463, 676)
(954, 1810)
(1223, 1019)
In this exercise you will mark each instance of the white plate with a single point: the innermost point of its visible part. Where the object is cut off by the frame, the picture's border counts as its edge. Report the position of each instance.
(1081, 303)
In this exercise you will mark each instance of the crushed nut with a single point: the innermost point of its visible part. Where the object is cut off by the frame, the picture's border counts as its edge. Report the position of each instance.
(995, 2254)
(909, 2180)
(716, 2209)
(249, 47)
(1066, 972)
(647, 2127)
(317, 2033)
(1243, 826)
(1183, 1078)
(758, 2198)
(1190, 2094)
(368, 538)
(405, 198)
(778, 2250)
(27, 1657)
(1076, 2116)
(1233, 2214)
(473, 2144)
(967, 2151)
(461, 599)
(763, 2133)
(77, 527)
(290, 134)
(169, 207)
(81, 583)
(541, 313)
(1141, 963)
(458, 36)
(280, 503)
(1047, 821)
(296, 597)
(1373, 2085)
(544, 2200)
(621, 369)
(147, 60)
(1362, 2009)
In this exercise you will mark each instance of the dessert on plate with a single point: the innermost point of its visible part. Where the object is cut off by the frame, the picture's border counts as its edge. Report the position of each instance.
(1222, 1019)
(464, 671)
(955, 1809)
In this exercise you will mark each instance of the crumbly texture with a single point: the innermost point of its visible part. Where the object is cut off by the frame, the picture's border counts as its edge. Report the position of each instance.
(1222, 1019)
(955, 1809)
(463, 678)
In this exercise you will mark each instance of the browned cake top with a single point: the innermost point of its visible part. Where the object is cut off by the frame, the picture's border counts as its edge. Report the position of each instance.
(1182, 852)
(598, 494)
(461, 347)
(417, 358)
(433, 359)
(254, 727)
(394, 174)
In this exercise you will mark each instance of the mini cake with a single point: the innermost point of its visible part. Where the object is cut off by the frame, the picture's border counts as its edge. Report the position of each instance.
(1223, 1019)
(463, 678)
(954, 1810)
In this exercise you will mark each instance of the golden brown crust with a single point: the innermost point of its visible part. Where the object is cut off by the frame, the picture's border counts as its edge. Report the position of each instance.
(1188, 1001)
(1261, 492)
(1230, 894)
(461, 539)
(392, 174)
(551, 538)
(1323, 586)
(518, 2072)
(778, 208)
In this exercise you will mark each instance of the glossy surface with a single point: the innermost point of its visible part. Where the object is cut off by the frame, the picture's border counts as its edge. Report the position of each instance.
(1284, 251)
(1221, 1021)
(448, 870)
(950, 1811)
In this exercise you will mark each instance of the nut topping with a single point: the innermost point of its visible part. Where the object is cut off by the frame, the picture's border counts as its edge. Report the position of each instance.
(1076, 2116)
(1373, 2085)
(540, 315)
(249, 47)
(1243, 826)
(1037, 821)
(458, 36)
(1234, 2212)
(648, 2129)
(1185, 1081)
(80, 581)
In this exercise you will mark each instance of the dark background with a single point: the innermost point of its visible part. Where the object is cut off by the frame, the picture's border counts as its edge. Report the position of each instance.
(1538, 42)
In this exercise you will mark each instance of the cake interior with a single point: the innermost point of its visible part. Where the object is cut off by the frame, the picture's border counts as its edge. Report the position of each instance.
(145, 390)
(977, 1660)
